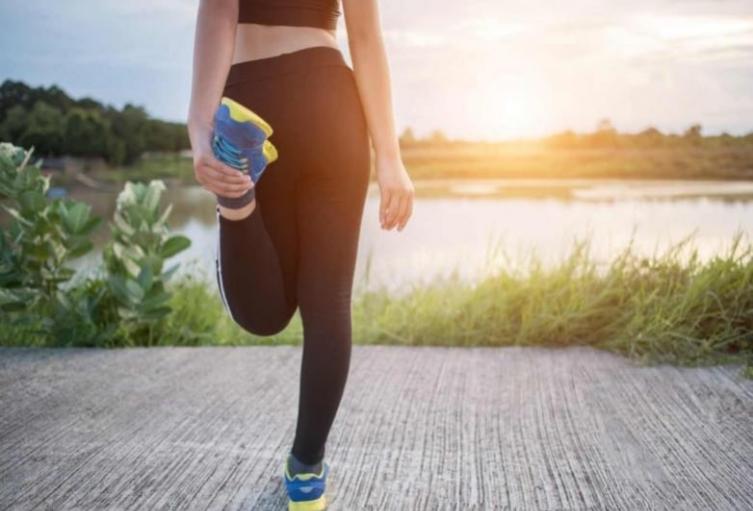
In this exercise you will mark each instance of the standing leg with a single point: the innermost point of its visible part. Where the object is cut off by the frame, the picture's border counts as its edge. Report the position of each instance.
(331, 196)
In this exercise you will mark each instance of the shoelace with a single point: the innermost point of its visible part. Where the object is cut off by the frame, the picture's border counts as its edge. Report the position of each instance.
(228, 153)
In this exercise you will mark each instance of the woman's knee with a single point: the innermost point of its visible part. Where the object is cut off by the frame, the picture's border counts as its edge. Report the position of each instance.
(265, 324)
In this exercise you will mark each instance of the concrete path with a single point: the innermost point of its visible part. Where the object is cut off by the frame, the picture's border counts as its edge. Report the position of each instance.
(419, 429)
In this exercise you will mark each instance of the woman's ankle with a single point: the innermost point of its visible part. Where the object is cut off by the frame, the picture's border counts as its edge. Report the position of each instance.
(237, 213)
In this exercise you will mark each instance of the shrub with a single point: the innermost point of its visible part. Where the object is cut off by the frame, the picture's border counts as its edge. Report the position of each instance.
(118, 305)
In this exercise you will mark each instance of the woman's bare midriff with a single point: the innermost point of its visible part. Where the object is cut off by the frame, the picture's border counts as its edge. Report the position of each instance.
(254, 41)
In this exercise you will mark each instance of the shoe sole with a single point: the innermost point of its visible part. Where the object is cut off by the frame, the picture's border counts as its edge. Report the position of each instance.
(319, 504)
(240, 113)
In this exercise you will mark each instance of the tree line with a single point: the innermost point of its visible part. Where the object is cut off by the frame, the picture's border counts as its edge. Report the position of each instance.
(605, 135)
(55, 124)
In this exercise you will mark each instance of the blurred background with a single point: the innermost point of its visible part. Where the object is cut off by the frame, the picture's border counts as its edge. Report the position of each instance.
(526, 126)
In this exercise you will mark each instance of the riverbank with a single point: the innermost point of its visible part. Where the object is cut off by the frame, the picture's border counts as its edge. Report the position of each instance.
(672, 307)
(501, 160)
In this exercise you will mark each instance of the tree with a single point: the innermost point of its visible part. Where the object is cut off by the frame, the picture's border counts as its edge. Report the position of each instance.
(55, 124)
(18, 93)
(86, 133)
(13, 94)
(407, 137)
(437, 137)
(165, 136)
(605, 135)
(44, 130)
(650, 137)
(605, 126)
(129, 126)
(14, 124)
(693, 134)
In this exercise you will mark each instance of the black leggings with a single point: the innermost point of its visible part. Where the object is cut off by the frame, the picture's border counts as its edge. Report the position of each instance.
(298, 247)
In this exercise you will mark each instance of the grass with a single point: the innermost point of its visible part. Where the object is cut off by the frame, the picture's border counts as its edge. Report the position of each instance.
(670, 307)
(162, 166)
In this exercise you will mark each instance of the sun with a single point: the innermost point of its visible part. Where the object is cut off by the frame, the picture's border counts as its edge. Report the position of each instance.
(514, 109)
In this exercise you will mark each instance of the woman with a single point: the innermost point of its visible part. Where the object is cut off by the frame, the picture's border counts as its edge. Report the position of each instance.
(293, 241)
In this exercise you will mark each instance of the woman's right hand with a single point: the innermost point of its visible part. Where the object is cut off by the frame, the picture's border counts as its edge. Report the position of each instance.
(211, 173)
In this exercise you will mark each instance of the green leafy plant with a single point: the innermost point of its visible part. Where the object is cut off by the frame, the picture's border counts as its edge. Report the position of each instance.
(121, 304)
(135, 258)
(42, 238)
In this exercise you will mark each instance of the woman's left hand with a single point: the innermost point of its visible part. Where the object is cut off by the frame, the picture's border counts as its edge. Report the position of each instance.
(397, 193)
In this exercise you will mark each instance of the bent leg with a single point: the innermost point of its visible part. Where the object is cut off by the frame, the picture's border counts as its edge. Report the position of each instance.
(257, 255)
(256, 260)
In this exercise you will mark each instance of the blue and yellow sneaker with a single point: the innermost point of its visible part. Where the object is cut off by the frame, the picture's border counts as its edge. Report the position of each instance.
(306, 490)
(240, 139)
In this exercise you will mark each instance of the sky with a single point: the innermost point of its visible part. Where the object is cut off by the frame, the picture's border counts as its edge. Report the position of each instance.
(475, 69)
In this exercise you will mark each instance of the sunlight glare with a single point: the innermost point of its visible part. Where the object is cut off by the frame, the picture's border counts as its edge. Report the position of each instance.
(513, 109)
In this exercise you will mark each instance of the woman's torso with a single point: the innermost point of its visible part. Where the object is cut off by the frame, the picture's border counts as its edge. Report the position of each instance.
(254, 41)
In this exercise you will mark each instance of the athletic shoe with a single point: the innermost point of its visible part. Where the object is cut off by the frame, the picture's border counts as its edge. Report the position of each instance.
(240, 139)
(306, 490)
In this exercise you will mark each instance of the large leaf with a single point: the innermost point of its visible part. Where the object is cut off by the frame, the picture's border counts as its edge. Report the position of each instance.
(174, 245)
(31, 200)
(155, 300)
(118, 287)
(165, 214)
(90, 225)
(80, 247)
(152, 196)
(76, 217)
(146, 277)
(136, 293)
(167, 275)
(123, 225)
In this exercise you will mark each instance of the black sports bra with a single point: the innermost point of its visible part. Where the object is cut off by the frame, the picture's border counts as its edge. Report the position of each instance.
(301, 13)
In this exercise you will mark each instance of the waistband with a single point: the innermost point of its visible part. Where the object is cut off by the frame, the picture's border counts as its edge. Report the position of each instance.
(284, 63)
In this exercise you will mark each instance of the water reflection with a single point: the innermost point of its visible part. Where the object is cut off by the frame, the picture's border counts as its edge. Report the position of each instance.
(457, 225)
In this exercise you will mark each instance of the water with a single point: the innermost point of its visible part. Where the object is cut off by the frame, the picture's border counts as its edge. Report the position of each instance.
(457, 224)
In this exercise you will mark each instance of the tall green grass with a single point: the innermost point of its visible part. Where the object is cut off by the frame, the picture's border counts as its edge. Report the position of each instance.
(673, 307)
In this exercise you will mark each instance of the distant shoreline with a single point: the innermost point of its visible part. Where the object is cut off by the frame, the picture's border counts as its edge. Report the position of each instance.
(456, 161)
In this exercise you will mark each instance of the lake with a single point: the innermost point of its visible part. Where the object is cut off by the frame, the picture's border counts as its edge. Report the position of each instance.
(472, 227)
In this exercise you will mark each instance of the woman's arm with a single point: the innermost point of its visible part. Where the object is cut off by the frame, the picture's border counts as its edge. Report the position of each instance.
(372, 76)
(213, 53)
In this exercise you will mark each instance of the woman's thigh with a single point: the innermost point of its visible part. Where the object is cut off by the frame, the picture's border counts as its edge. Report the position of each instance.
(333, 182)
(276, 199)
(312, 197)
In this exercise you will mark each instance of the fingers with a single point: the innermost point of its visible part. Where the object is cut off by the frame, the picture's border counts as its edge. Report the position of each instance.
(387, 211)
(393, 211)
(227, 173)
(221, 179)
(217, 185)
(397, 207)
(406, 209)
